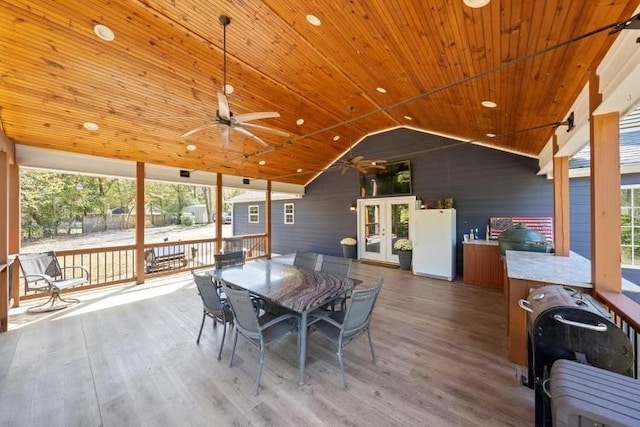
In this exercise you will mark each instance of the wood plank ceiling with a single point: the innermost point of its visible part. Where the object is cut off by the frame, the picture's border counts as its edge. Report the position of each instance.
(160, 75)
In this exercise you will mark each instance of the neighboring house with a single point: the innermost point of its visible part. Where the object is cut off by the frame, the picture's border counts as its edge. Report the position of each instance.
(200, 213)
(247, 210)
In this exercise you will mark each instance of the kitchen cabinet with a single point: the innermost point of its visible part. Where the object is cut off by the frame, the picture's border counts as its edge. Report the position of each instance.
(482, 264)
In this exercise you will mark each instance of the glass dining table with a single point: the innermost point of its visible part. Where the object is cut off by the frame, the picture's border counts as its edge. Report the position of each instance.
(298, 290)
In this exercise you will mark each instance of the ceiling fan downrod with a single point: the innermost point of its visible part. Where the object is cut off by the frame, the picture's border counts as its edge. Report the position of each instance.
(224, 20)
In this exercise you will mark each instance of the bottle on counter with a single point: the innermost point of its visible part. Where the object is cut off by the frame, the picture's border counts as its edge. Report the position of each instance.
(476, 236)
(488, 236)
(471, 235)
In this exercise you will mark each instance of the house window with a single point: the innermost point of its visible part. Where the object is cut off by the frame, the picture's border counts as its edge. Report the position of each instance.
(630, 220)
(288, 213)
(254, 214)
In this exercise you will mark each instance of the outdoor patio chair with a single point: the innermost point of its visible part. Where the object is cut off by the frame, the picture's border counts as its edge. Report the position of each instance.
(212, 306)
(305, 260)
(343, 327)
(259, 331)
(229, 259)
(336, 265)
(42, 273)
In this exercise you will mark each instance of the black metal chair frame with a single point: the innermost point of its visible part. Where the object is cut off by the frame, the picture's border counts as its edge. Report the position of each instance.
(259, 331)
(42, 272)
(343, 327)
(213, 306)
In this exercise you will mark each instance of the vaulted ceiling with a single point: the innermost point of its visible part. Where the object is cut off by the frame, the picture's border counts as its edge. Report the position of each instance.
(436, 59)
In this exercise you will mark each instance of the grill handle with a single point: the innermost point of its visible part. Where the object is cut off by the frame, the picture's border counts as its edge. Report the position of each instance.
(525, 305)
(600, 327)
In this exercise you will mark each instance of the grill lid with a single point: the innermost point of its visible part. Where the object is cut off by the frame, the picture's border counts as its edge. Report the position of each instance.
(522, 238)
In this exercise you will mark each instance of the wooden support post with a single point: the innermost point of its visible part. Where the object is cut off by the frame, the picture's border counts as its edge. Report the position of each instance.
(4, 241)
(605, 196)
(267, 219)
(219, 213)
(14, 228)
(561, 220)
(140, 220)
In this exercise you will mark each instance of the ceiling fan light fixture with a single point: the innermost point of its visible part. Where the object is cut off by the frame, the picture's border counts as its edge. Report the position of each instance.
(314, 20)
(476, 3)
(104, 32)
(191, 147)
(300, 122)
(91, 126)
(381, 90)
(489, 104)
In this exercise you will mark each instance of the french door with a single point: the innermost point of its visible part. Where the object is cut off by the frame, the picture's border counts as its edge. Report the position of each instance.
(380, 223)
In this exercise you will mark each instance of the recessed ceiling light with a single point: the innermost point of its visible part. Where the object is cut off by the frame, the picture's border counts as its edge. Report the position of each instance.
(491, 135)
(336, 138)
(191, 147)
(104, 32)
(408, 117)
(489, 104)
(381, 90)
(298, 170)
(300, 122)
(476, 3)
(91, 126)
(262, 162)
(228, 89)
(314, 20)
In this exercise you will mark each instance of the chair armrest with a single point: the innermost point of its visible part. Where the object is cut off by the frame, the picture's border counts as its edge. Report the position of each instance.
(78, 267)
(35, 277)
(278, 320)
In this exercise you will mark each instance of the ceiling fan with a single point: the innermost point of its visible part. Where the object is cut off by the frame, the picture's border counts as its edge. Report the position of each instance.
(225, 119)
(359, 163)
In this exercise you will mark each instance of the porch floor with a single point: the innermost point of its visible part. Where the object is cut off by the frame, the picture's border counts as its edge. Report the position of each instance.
(127, 356)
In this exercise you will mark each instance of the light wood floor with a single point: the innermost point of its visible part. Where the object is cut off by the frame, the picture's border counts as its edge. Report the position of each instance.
(127, 356)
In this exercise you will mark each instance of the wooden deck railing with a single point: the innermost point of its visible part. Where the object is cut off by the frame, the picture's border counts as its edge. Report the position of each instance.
(116, 264)
(626, 314)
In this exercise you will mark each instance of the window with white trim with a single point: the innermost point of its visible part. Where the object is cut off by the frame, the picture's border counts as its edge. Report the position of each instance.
(254, 214)
(630, 222)
(288, 213)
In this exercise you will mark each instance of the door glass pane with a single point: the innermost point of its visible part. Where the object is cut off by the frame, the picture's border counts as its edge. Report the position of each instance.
(399, 223)
(372, 228)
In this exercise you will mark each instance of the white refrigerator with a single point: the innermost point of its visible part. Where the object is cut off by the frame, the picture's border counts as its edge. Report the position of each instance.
(434, 243)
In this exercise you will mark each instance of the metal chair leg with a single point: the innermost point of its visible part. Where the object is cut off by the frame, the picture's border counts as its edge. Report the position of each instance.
(373, 355)
(224, 333)
(340, 361)
(204, 316)
(233, 349)
(260, 369)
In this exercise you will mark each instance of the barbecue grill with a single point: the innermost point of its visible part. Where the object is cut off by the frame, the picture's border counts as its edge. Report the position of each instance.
(563, 323)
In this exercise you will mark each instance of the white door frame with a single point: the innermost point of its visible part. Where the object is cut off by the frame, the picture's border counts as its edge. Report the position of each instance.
(385, 253)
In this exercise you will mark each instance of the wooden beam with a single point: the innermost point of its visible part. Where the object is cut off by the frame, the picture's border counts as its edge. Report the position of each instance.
(140, 220)
(267, 219)
(219, 213)
(605, 195)
(4, 241)
(561, 220)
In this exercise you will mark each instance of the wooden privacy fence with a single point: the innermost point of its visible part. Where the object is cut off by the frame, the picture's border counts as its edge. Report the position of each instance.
(117, 264)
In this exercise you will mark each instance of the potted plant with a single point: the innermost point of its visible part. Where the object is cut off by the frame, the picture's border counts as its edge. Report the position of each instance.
(349, 247)
(404, 248)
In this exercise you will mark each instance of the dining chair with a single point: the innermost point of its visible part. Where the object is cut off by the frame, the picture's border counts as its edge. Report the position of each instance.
(212, 306)
(305, 260)
(343, 327)
(259, 331)
(229, 259)
(336, 265)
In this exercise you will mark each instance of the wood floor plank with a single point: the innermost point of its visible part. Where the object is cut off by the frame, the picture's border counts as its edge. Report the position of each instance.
(128, 356)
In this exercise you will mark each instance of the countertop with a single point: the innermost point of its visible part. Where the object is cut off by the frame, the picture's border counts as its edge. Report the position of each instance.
(482, 242)
(574, 270)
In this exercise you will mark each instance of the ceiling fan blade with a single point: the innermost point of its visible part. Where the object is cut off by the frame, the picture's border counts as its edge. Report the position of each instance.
(247, 117)
(377, 167)
(223, 106)
(198, 129)
(361, 169)
(376, 162)
(356, 159)
(224, 131)
(249, 134)
(266, 129)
